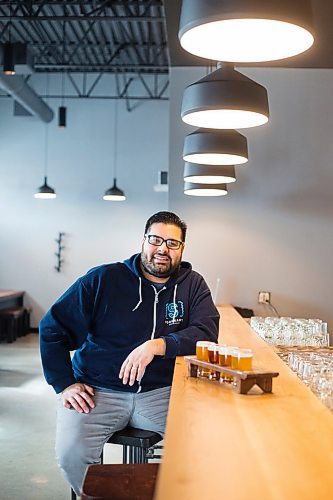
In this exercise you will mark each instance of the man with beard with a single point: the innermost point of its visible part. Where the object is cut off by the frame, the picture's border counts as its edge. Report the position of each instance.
(127, 322)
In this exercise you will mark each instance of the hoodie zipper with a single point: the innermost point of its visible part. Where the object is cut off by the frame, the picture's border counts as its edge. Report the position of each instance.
(154, 325)
(155, 307)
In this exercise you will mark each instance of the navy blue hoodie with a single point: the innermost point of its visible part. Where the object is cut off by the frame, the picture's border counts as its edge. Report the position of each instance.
(110, 311)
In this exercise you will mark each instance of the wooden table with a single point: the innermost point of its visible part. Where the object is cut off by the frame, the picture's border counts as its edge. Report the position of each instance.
(220, 444)
(11, 298)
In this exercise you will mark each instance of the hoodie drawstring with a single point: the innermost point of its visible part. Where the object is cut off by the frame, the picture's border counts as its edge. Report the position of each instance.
(174, 303)
(140, 295)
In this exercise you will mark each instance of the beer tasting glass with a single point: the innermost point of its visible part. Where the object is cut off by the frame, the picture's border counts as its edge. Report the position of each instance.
(227, 350)
(234, 362)
(222, 354)
(202, 354)
(245, 357)
(213, 356)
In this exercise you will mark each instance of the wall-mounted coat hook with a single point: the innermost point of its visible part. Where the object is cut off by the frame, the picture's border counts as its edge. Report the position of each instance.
(58, 253)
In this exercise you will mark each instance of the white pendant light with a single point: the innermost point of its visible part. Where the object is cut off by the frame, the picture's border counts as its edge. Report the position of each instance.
(225, 99)
(246, 30)
(215, 147)
(197, 189)
(209, 174)
(114, 193)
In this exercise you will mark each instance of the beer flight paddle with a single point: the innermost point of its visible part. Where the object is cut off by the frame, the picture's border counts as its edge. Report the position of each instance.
(230, 366)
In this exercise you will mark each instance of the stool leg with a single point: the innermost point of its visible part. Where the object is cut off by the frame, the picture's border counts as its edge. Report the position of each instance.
(145, 451)
(131, 454)
(11, 330)
(138, 455)
(125, 454)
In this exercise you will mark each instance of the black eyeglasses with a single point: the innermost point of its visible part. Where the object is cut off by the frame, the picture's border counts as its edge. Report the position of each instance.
(157, 241)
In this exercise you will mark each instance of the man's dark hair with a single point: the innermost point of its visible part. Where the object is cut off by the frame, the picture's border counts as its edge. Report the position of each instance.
(167, 218)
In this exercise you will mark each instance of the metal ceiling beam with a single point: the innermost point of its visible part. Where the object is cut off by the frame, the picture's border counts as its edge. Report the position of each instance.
(93, 17)
(163, 68)
(85, 3)
(86, 44)
(81, 36)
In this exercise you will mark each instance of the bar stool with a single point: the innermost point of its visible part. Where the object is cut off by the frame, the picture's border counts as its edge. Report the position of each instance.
(137, 446)
(11, 323)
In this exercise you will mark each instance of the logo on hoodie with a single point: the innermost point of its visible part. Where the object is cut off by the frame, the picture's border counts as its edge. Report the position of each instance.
(174, 312)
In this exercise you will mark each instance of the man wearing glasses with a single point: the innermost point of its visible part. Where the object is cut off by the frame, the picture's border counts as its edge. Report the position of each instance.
(126, 322)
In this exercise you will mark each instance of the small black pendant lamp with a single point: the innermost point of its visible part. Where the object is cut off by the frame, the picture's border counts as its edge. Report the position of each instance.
(62, 112)
(45, 192)
(114, 193)
(8, 59)
(9, 50)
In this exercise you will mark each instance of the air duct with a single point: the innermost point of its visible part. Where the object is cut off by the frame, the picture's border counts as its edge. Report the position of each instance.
(26, 96)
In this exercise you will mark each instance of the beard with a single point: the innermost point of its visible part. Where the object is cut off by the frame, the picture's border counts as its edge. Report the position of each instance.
(159, 270)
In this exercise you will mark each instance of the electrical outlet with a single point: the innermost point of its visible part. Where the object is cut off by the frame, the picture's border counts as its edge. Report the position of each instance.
(264, 297)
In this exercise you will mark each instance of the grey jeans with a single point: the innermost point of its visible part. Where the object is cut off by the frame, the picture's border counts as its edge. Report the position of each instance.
(80, 437)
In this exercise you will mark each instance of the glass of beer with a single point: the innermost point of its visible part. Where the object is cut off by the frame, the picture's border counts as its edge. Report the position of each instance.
(222, 354)
(201, 351)
(213, 356)
(235, 362)
(227, 362)
(245, 357)
(234, 358)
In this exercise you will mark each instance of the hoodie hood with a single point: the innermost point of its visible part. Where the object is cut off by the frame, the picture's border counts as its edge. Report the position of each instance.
(177, 277)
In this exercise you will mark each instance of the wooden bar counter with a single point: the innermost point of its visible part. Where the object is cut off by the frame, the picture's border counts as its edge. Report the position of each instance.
(220, 444)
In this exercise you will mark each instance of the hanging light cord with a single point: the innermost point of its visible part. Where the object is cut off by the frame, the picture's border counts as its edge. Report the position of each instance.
(62, 88)
(46, 131)
(63, 59)
(115, 139)
(45, 150)
(10, 23)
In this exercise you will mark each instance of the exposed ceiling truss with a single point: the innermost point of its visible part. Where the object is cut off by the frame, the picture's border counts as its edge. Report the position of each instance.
(127, 38)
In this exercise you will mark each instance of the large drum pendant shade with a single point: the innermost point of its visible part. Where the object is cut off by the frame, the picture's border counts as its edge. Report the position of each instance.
(209, 174)
(246, 30)
(196, 189)
(225, 99)
(215, 147)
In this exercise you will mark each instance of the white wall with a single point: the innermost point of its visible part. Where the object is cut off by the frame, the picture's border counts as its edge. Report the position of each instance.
(80, 168)
(274, 230)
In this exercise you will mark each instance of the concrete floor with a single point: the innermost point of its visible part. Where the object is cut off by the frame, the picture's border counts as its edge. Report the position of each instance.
(28, 470)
